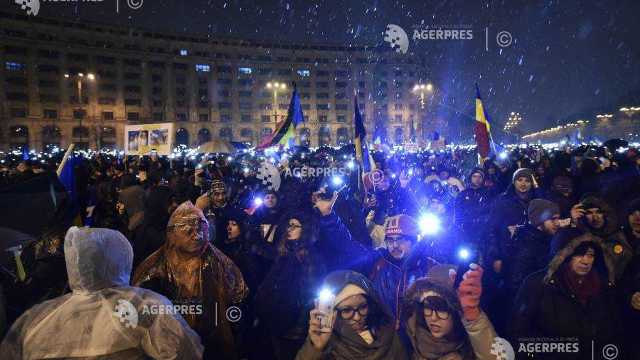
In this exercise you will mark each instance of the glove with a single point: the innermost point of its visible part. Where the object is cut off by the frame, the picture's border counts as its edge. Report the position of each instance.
(469, 292)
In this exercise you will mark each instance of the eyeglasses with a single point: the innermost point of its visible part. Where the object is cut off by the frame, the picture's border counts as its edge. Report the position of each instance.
(440, 314)
(190, 227)
(348, 313)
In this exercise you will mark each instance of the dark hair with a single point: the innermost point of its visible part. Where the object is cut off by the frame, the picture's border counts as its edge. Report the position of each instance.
(376, 317)
(458, 329)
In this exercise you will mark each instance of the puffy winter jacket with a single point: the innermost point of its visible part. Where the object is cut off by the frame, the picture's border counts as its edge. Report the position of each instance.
(546, 308)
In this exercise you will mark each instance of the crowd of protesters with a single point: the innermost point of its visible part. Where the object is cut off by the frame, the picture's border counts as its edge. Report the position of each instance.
(425, 256)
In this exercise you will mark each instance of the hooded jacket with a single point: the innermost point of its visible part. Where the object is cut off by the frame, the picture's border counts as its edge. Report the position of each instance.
(546, 307)
(613, 238)
(347, 344)
(84, 325)
(474, 343)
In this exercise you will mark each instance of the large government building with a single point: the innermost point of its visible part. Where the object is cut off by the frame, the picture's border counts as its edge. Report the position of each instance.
(65, 81)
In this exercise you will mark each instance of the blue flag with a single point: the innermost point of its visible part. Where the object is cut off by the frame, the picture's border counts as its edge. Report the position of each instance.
(360, 140)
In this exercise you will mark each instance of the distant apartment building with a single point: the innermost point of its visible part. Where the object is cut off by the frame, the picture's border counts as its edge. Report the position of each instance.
(64, 82)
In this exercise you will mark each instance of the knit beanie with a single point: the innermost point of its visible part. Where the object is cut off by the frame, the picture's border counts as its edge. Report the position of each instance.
(522, 172)
(541, 210)
(401, 225)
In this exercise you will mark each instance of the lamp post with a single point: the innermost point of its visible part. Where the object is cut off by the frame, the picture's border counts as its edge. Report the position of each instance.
(275, 86)
(79, 77)
(421, 89)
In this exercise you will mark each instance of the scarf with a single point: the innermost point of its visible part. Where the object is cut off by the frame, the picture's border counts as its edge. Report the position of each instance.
(347, 344)
(584, 288)
(427, 347)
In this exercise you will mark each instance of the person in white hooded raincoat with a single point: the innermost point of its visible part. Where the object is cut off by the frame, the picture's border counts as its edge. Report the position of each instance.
(103, 317)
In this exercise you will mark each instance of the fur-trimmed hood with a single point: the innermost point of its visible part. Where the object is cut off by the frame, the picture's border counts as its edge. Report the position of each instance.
(567, 250)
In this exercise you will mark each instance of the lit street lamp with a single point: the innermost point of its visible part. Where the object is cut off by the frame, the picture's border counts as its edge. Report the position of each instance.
(275, 86)
(421, 89)
(79, 78)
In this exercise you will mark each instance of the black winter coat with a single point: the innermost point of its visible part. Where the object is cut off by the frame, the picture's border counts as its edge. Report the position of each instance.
(546, 308)
(508, 210)
(528, 255)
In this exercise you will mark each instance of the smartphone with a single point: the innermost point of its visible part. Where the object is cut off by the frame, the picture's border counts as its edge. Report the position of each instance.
(325, 304)
(464, 264)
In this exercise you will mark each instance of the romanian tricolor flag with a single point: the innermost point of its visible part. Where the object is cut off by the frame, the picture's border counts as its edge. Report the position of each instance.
(483, 130)
(286, 131)
(360, 141)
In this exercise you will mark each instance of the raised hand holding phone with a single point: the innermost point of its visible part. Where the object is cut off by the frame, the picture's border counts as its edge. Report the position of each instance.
(322, 319)
(469, 292)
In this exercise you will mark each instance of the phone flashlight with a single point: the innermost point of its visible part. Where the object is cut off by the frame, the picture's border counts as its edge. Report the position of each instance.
(326, 297)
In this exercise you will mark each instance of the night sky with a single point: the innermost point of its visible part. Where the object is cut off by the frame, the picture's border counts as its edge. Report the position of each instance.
(566, 56)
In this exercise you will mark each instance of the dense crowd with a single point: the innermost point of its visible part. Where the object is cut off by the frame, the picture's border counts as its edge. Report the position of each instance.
(425, 256)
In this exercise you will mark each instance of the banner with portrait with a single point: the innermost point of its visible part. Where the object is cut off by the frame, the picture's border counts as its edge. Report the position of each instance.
(143, 139)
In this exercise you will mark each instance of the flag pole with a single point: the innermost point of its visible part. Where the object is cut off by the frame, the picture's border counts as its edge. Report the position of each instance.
(64, 159)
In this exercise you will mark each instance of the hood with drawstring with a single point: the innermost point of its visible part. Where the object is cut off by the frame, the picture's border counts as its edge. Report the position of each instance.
(103, 317)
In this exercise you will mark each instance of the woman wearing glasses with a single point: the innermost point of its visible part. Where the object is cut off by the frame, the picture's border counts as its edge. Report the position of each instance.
(359, 327)
(444, 325)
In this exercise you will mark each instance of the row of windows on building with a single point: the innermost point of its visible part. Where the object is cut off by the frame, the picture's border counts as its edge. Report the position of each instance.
(379, 83)
(53, 54)
(135, 65)
(52, 135)
(51, 114)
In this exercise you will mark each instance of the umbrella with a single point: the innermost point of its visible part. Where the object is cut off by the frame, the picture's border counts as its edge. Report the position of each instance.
(217, 146)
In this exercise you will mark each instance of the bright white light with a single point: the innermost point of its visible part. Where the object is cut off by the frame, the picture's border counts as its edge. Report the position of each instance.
(245, 170)
(337, 180)
(351, 165)
(258, 201)
(429, 224)
(393, 175)
(464, 254)
(229, 158)
(325, 295)
(503, 155)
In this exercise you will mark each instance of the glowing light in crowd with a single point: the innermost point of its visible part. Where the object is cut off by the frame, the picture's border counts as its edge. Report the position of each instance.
(257, 201)
(245, 170)
(325, 295)
(464, 254)
(337, 181)
(429, 224)
(503, 155)
(351, 165)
